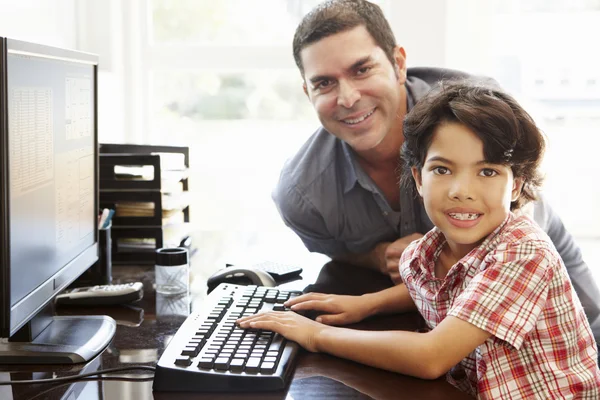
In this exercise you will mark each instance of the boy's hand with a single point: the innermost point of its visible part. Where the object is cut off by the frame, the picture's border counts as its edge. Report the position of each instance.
(292, 326)
(340, 310)
(393, 252)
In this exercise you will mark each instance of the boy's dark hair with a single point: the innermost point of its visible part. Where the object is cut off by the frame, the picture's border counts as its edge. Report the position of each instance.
(335, 16)
(509, 134)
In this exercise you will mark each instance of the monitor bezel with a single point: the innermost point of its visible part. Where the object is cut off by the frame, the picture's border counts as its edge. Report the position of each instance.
(12, 318)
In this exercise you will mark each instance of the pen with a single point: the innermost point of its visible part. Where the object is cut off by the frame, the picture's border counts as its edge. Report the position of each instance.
(103, 217)
(108, 219)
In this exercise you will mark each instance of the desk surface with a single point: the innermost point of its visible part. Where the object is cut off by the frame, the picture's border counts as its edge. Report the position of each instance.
(143, 330)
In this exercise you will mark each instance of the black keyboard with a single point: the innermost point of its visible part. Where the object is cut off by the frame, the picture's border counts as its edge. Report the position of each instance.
(209, 353)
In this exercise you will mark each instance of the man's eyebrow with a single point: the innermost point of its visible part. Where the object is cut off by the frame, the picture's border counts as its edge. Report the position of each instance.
(360, 62)
(357, 64)
(446, 161)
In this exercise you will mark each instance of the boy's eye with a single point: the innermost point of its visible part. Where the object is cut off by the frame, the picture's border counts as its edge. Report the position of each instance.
(488, 172)
(441, 171)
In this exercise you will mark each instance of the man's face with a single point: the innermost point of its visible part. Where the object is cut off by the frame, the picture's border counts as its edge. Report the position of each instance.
(354, 88)
(464, 196)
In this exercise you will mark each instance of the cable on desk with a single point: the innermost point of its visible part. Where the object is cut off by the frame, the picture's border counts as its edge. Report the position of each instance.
(78, 377)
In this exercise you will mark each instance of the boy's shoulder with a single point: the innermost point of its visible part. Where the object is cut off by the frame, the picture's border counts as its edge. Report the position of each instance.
(523, 231)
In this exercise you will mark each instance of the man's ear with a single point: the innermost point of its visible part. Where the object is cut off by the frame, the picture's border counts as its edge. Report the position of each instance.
(516, 189)
(400, 58)
(418, 182)
(305, 89)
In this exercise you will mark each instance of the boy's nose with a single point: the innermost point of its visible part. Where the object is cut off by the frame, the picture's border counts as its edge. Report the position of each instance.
(461, 189)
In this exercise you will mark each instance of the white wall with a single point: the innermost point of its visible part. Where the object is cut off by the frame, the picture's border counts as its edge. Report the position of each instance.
(93, 26)
(50, 22)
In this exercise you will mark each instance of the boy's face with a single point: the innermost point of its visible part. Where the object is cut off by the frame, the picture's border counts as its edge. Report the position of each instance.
(353, 86)
(464, 196)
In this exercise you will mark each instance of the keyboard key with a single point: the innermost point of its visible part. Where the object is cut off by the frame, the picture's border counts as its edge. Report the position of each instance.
(206, 362)
(252, 365)
(267, 367)
(190, 351)
(183, 361)
(277, 342)
(222, 363)
(236, 365)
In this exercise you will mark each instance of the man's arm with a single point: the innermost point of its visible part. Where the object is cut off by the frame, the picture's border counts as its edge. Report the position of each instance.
(581, 276)
(385, 257)
(374, 259)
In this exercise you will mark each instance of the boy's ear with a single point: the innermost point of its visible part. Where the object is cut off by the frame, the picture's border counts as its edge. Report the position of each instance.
(417, 177)
(516, 189)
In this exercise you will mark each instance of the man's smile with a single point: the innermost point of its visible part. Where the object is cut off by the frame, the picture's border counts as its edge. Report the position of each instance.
(356, 119)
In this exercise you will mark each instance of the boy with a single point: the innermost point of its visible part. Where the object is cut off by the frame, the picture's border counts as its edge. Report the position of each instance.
(505, 321)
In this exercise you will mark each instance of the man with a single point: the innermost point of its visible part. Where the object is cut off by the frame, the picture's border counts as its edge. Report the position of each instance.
(340, 192)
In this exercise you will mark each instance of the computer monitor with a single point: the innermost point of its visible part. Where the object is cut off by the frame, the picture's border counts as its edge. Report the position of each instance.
(48, 201)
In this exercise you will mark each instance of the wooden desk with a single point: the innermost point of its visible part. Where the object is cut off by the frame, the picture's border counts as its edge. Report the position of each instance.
(144, 330)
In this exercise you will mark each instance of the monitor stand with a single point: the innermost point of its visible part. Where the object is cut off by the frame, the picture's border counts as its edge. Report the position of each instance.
(48, 339)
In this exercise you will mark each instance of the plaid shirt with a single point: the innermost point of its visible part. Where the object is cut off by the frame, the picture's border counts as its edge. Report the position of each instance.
(514, 286)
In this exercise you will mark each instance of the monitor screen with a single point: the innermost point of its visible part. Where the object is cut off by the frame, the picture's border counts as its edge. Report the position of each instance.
(48, 214)
(51, 167)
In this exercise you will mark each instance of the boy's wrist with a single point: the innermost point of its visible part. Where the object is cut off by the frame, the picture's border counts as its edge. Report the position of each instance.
(322, 338)
(371, 303)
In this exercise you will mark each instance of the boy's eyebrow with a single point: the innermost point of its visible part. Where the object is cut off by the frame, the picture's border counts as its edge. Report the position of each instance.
(357, 64)
(446, 161)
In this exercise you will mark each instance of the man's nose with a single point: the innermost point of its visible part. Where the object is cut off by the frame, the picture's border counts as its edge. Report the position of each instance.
(462, 188)
(348, 94)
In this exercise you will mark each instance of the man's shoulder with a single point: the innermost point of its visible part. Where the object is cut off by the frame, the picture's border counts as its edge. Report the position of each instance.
(432, 75)
(313, 162)
(421, 79)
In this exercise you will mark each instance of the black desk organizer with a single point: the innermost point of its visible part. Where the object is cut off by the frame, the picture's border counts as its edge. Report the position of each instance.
(114, 190)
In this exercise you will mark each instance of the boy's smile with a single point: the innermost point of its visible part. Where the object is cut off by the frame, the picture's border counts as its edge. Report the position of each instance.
(464, 196)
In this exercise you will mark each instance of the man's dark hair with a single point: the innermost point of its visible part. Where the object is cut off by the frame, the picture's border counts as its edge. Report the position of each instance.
(509, 134)
(335, 16)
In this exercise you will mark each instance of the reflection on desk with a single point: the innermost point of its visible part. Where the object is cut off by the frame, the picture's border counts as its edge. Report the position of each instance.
(146, 329)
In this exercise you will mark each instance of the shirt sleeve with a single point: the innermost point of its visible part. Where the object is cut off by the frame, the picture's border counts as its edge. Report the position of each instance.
(581, 275)
(507, 297)
(301, 216)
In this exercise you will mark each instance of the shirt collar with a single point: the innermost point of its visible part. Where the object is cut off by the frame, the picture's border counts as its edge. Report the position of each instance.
(353, 173)
(431, 245)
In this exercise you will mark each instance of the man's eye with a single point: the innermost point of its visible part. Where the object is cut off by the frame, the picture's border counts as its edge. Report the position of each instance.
(441, 171)
(363, 70)
(488, 172)
(324, 84)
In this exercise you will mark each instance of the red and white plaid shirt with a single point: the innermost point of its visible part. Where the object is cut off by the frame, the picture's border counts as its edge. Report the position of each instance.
(514, 286)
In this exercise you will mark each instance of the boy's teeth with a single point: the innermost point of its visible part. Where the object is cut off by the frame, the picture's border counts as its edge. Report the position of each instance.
(359, 119)
(464, 216)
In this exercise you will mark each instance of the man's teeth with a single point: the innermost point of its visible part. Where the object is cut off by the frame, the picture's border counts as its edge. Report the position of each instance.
(464, 216)
(359, 119)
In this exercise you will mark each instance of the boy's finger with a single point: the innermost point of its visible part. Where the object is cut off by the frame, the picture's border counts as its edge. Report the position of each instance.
(303, 298)
(338, 319)
(313, 305)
